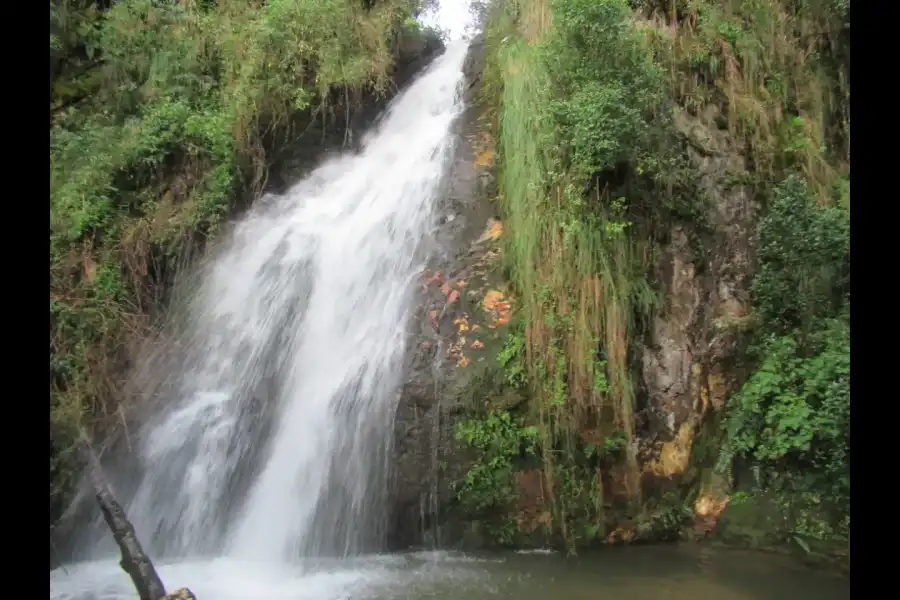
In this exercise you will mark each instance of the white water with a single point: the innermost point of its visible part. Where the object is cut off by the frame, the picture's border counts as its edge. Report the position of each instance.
(363, 233)
(364, 578)
(282, 386)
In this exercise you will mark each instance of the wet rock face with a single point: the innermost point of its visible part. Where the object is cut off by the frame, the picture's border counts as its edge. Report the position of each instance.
(441, 343)
(691, 363)
(414, 51)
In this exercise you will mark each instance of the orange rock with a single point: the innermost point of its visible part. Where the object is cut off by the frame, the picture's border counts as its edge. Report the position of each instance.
(491, 299)
(484, 159)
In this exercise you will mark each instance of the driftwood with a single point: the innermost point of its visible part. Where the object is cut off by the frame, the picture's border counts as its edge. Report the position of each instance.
(134, 561)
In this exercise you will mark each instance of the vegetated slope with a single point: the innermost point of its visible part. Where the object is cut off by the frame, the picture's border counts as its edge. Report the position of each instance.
(635, 142)
(164, 116)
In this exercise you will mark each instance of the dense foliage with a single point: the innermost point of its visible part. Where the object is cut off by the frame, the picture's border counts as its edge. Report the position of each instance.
(488, 490)
(574, 101)
(588, 164)
(789, 425)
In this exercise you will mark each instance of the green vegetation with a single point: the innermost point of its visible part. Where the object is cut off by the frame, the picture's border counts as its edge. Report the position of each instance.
(789, 425)
(488, 491)
(780, 69)
(590, 169)
(164, 115)
(575, 104)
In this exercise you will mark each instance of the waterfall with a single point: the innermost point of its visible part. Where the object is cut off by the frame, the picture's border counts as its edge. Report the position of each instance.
(279, 389)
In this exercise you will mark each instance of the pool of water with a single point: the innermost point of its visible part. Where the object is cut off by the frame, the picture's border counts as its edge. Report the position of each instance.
(633, 573)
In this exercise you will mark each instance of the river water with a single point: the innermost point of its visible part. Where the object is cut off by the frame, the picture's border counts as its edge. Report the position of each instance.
(634, 573)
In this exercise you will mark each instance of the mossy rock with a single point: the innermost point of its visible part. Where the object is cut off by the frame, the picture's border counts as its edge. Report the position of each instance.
(754, 521)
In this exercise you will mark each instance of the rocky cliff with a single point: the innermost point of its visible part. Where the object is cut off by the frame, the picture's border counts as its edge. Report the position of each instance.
(650, 338)
(454, 332)
(692, 358)
(688, 362)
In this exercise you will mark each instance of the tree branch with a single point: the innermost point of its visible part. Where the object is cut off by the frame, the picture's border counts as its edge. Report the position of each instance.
(134, 561)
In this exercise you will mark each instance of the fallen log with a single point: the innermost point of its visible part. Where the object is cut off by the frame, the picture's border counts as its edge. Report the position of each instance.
(134, 561)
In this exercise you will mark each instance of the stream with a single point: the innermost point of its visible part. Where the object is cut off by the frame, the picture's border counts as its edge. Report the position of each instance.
(633, 573)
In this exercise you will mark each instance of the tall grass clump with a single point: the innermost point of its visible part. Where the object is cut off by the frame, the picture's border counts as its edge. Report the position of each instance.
(576, 90)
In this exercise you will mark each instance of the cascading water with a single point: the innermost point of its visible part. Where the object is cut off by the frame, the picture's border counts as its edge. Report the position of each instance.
(319, 282)
(362, 232)
(301, 316)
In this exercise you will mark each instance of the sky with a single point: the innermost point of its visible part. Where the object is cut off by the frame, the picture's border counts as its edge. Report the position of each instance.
(452, 16)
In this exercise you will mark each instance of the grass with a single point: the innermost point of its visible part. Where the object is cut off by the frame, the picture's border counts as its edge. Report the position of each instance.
(572, 259)
(777, 66)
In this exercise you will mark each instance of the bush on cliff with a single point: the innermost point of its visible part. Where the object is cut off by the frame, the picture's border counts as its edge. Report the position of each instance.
(788, 429)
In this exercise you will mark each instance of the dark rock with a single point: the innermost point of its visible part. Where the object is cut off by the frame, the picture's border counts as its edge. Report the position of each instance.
(473, 66)
(414, 52)
(426, 457)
